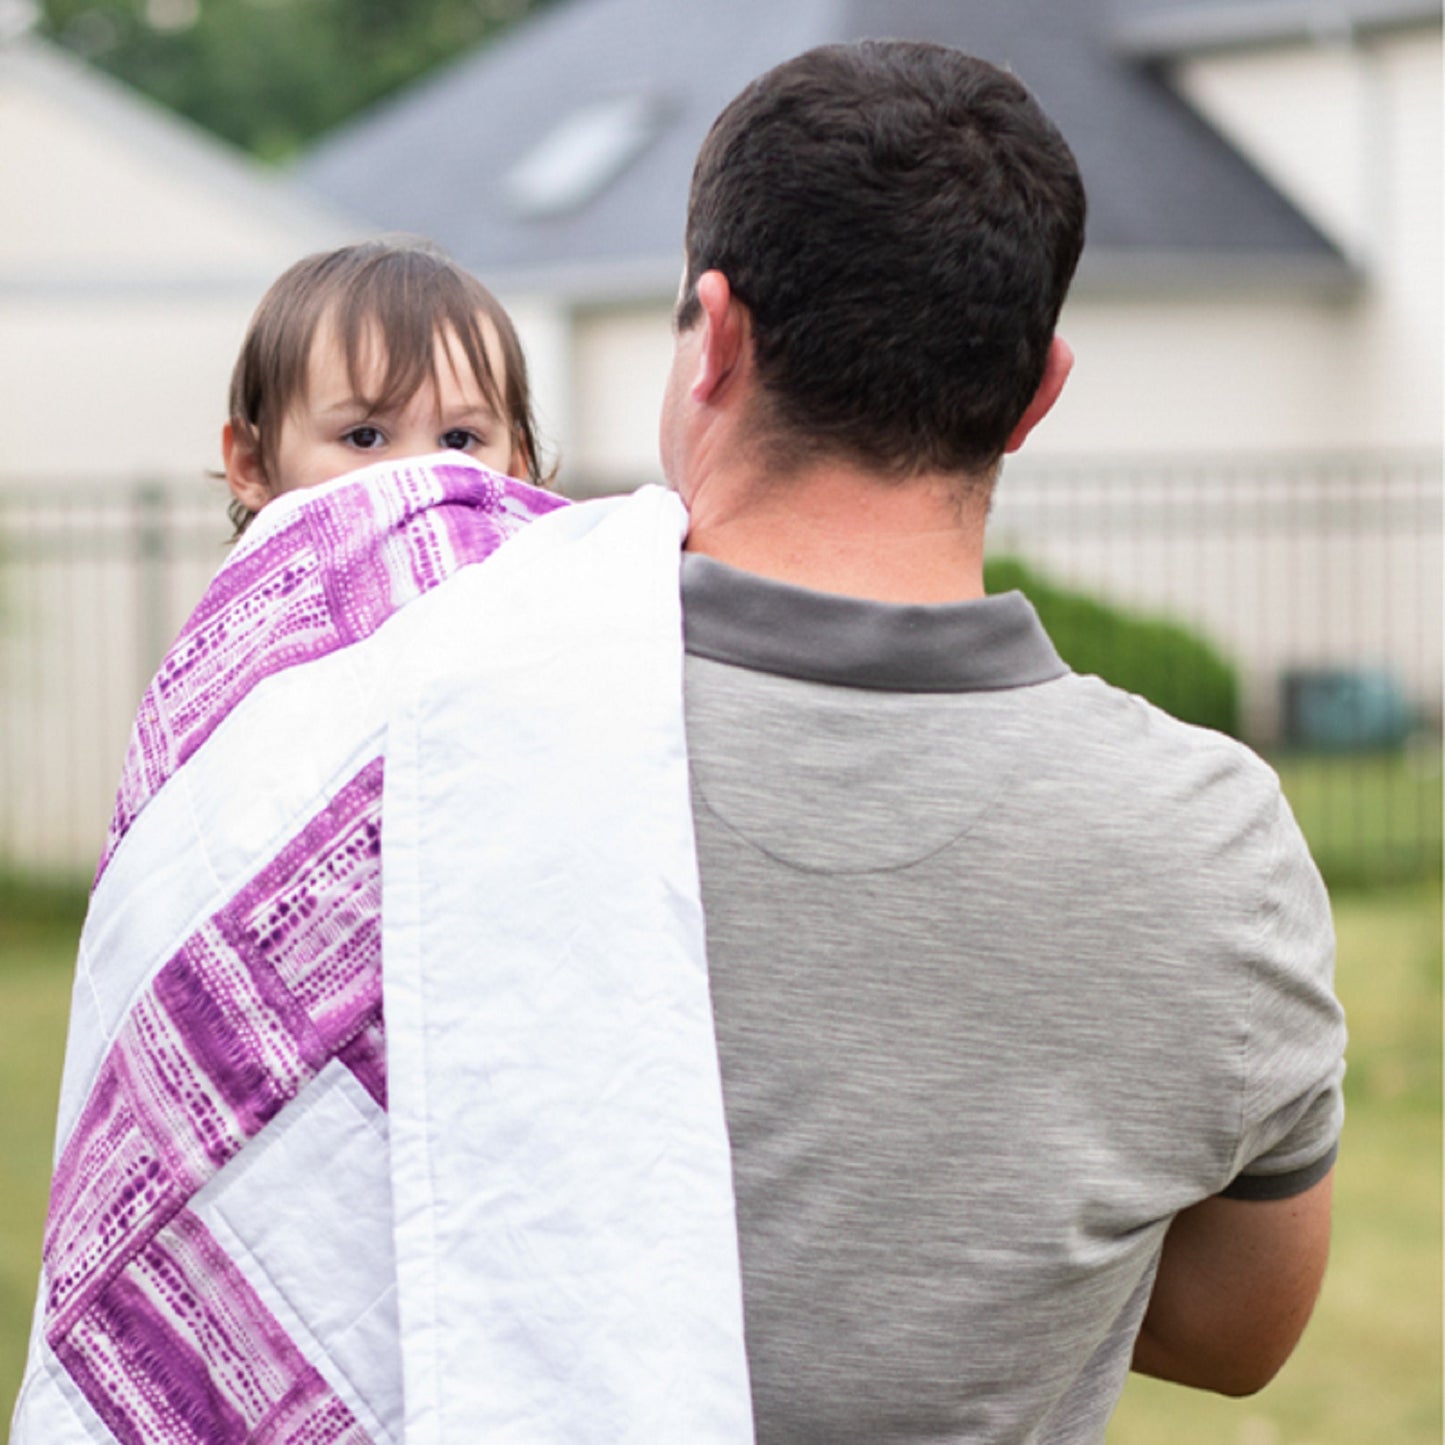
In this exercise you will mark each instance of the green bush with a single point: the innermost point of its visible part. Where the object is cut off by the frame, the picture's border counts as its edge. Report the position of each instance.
(1174, 668)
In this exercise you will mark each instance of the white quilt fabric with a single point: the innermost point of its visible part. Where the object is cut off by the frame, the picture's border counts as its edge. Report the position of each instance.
(563, 1182)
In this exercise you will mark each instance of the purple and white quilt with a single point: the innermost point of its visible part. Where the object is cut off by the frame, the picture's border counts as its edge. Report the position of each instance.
(403, 1133)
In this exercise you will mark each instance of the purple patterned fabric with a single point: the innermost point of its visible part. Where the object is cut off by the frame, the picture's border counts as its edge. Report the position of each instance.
(153, 1322)
(282, 979)
(330, 574)
(178, 1348)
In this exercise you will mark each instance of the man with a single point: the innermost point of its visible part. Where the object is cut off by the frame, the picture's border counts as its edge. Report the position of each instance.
(1021, 988)
(1007, 1053)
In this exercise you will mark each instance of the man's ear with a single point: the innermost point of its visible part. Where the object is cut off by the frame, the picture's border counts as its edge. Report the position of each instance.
(1057, 366)
(244, 473)
(725, 344)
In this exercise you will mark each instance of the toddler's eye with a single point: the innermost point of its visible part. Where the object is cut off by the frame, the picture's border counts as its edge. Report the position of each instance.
(365, 438)
(459, 439)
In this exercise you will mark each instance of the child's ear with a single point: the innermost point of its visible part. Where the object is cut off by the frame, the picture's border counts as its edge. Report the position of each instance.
(245, 475)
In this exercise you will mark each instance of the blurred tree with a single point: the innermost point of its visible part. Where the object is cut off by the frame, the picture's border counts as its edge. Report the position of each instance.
(270, 75)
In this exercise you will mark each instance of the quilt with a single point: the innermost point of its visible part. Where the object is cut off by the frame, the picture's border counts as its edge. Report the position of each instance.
(390, 1108)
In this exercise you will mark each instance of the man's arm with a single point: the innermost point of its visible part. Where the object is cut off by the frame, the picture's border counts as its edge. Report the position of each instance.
(1236, 1284)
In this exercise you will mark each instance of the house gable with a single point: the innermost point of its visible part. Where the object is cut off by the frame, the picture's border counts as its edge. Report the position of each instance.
(105, 189)
(134, 250)
(1170, 199)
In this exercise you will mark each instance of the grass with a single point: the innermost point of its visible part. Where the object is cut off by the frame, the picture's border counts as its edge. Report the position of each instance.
(1369, 818)
(38, 931)
(1369, 1367)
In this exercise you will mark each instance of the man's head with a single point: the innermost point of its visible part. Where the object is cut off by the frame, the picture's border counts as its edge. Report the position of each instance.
(902, 222)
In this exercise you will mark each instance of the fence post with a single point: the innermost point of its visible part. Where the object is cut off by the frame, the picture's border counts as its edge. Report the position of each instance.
(151, 552)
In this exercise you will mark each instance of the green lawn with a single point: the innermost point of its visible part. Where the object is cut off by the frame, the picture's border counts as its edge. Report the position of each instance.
(1369, 1366)
(37, 952)
(1369, 818)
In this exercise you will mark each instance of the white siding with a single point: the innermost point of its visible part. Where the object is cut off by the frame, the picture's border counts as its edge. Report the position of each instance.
(620, 365)
(545, 330)
(1352, 133)
(95, 387)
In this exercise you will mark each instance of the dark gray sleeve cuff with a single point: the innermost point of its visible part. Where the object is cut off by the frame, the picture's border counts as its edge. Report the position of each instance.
(1264, 1187)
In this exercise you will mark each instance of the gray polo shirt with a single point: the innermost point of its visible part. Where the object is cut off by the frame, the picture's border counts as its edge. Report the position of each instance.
(1008, 967)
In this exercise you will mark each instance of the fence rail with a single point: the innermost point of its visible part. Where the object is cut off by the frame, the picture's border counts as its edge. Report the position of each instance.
(1318, 578)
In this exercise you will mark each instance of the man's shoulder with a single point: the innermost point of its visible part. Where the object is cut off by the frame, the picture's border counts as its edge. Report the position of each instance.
(1174, 781)
(1111, 720)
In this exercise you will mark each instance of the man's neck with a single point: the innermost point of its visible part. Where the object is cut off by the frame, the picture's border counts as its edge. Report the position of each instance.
(838, 529)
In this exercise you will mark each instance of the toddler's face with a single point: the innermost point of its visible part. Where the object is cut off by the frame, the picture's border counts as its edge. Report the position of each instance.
(332, 429)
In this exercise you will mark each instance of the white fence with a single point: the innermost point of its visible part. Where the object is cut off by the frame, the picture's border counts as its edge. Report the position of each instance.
(1284, 563)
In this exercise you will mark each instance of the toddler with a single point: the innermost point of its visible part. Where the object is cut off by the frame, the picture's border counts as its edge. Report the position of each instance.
(208, 1276)
(374, 352)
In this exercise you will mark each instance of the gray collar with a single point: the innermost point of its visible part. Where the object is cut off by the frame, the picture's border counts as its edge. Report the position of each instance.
(750, 621)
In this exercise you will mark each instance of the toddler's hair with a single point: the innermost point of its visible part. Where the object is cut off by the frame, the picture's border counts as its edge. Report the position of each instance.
(403, 291)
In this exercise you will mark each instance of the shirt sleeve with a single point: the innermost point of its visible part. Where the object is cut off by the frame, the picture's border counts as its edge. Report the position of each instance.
(1292, 1105)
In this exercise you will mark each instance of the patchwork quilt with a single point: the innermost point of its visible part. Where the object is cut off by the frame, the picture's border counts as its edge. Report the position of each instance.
(408, 1131)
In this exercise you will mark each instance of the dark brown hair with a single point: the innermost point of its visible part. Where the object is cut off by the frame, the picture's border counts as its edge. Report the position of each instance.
(404, 290)
(902, 221)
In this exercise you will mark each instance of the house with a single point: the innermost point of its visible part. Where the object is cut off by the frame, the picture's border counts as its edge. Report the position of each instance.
(1247, 238)
(1250, 441)
(135, 247)
(1256, 317)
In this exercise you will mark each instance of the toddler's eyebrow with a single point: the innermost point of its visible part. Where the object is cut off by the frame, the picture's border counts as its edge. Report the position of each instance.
(346, 404)
(480, 410)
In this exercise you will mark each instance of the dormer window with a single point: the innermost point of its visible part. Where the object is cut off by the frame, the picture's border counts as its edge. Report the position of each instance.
(581, 155)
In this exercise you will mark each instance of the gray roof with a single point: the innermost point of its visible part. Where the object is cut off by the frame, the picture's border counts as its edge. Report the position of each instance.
(1170, 200)
(1167, 29)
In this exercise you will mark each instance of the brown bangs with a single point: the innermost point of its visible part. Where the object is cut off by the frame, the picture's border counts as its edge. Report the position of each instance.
(404, 307)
